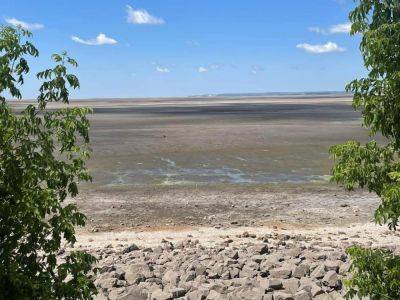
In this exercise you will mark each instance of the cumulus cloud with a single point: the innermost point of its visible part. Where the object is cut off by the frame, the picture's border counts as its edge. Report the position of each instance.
(341, 28)
(202, 69)
(317, 30)
(162, 69)
(25, 25)
(193, 43)
(256, 69)
(334, 29)
(101, 39)
(322, 48)
(141, 16)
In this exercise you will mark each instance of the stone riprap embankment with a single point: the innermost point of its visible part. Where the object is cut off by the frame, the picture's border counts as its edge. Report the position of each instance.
(274, 265)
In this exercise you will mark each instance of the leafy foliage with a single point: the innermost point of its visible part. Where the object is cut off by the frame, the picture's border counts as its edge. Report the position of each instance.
(42, 159)
(378, 274)
(375, 166)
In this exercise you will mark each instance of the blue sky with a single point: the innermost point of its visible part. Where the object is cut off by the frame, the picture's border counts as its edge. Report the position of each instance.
(187, 47)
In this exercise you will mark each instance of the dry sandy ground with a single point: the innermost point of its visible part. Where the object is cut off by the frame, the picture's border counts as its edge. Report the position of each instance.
(367, 234)
(150, 208)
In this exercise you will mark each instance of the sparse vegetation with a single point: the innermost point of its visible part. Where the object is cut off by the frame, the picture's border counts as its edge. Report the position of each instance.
(374, 166)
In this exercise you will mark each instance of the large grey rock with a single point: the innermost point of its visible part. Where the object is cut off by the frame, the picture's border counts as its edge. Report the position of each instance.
(177, 292)
(116, 293)
(248, 294)
(323, 296)
(319, 272)
(133, 293)
(291, 285)
(106, 283)
(282, 296)
(130, 248)
(160, 295)
(332, 265)
(197, 295)
(214, 295)
(136, 273)
(270, 284)
(331, 279)
(258, 249)
(188, 276)
(307, 284)
(301, 270)
(344, 268)
(302, 295)
(282, 272)
(171, 277)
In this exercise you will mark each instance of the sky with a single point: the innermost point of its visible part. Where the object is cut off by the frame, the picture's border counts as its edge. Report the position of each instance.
(167, 48)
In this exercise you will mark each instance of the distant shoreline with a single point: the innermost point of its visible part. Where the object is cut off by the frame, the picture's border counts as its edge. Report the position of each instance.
(225, 96)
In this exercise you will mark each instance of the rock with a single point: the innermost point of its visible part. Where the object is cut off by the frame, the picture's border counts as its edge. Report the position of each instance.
(249, 269)
(177, 292)
(258, 258)
(345, 268)
(116, 293)
(133, 293)
(136, 273)
(302, 295)
(271, 284)
(301, 270)
(130, 248)
(258, 249)
(282, 296)
(171, 277)
(319, 272)
(332, 265)
(291, 285)
(232, 254)
(336, 295)
(248, 294)
(214, 295)
(106, 283)
(234, 272)
(306, 284)
(294, 252)
(282, 272)
(331, 279)
(197, 295)
(160, 295)
(188, 276)
(323, 296)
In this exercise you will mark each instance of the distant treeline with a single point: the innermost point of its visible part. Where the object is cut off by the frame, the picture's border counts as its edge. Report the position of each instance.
(272, 94)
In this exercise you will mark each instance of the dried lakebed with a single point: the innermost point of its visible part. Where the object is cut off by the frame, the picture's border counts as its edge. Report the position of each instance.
(231, 263)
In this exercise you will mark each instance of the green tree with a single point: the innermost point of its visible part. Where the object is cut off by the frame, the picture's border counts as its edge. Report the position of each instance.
(42, 159)
(375, 166)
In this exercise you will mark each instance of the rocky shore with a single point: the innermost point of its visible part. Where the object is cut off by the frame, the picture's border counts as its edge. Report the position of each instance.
(236, 263)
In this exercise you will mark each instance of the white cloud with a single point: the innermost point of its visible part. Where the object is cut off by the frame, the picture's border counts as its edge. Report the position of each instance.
(341, 28)
(216, 66)
(141, 16)
(202, 70)
(256, 69)
(27, 26)
(334, 29)
(162, 69)
(193, 43)
(319, 49)
(101, 39)
(317, 30)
